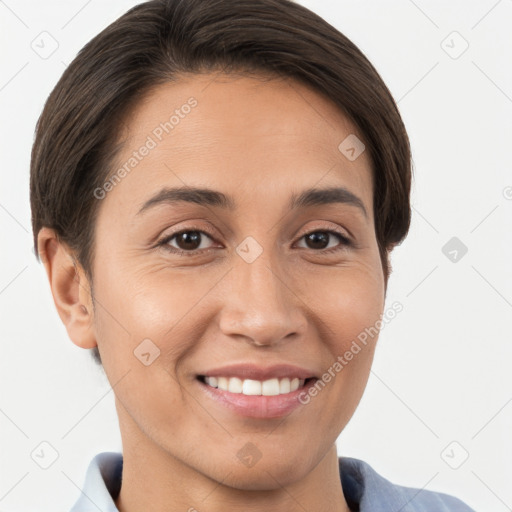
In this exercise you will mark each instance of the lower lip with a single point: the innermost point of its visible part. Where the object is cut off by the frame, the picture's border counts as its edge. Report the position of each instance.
(257, 406)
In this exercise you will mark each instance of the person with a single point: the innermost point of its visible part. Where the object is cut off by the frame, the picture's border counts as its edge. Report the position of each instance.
(216, 188)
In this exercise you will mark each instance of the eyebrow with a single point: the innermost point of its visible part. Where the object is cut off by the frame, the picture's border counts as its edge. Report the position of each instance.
(209, 197)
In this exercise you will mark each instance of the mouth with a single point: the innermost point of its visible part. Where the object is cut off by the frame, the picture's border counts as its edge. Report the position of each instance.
(256, 392)
(251, 387)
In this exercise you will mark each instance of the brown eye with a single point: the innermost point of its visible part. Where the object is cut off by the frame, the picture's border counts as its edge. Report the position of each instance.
(319, 240)
(188, 240)
(185, 241)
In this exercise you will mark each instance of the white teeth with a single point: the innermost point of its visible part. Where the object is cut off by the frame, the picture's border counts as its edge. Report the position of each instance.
(284, 386)
(270, 387)
(251, 387)
(222, 383)
(235, 385)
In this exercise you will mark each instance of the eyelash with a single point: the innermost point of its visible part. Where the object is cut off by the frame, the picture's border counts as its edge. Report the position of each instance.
(164, 243)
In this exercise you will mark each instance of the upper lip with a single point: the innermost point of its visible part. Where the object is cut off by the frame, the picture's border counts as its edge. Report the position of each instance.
(255, 372)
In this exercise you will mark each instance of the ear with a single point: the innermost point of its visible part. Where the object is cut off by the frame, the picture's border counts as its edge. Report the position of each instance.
(70, 288)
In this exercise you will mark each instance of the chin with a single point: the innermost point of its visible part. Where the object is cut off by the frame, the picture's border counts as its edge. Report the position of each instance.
(263, 478)
(267, 473)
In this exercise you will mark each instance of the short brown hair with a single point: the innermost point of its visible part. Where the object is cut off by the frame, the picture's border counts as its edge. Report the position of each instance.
(155, 42)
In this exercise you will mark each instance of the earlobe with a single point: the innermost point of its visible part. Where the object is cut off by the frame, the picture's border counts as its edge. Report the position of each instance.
(70, 288)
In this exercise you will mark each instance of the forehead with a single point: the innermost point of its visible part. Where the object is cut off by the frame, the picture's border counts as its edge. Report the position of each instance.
(245, 135)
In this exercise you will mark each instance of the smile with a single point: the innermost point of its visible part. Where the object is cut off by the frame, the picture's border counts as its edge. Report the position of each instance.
(269, 387)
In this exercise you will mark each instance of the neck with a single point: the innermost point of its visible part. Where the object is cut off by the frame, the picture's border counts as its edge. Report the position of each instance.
(155, 481)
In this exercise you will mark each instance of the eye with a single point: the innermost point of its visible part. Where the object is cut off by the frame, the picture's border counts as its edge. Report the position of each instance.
(320, 240)
(187, 241)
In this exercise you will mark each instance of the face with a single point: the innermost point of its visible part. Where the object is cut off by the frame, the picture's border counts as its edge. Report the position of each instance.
(231, 286)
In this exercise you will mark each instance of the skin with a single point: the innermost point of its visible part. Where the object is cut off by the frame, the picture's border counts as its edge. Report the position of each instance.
(258, 141)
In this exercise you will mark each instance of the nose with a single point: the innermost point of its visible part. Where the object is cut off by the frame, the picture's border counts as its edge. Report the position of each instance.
(261, 305)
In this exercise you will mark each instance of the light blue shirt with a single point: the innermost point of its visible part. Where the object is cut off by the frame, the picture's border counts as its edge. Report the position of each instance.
(362, 486)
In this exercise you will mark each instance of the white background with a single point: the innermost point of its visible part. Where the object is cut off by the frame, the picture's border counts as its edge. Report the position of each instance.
(442, 367)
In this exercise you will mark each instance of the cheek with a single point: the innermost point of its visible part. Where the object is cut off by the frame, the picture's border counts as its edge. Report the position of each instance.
(148, 322)
(350, 300)
(144, 328)
(352, 311)
(350, 307)
(137, 306)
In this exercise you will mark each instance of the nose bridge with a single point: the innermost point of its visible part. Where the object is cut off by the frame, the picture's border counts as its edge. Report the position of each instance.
(262, 306)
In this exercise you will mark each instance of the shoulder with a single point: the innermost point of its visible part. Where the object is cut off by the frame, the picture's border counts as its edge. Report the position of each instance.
(363, 486)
